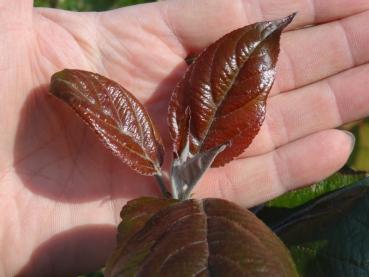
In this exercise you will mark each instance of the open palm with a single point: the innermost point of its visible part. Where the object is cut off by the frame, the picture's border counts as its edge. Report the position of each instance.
(61, 191)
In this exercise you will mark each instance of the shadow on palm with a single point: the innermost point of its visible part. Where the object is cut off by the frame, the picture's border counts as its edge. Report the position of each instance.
(59, 157)
(71, 246)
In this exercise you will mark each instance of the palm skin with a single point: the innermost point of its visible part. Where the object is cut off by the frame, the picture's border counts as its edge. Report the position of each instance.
(61, 191)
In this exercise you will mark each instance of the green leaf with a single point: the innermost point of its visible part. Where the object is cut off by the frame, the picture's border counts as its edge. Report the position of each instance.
(328, 236)
(123, 3)
(41, 3)
(344, 177)
(88, 5)
(360, 156)
(210, 237)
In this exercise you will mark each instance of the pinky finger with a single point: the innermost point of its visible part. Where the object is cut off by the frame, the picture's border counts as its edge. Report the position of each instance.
(254, 180)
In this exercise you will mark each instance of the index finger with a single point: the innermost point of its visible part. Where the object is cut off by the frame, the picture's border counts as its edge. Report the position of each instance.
(198, 23)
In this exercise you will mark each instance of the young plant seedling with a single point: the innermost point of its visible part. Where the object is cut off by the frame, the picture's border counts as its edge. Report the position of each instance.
(215, 112)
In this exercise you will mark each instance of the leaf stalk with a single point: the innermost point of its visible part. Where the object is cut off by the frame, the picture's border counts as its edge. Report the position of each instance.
(163, 188)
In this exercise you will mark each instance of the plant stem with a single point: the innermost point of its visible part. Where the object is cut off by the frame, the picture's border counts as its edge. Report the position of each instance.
(163, 188)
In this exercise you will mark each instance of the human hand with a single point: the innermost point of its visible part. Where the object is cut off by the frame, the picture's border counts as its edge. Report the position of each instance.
(61, 191)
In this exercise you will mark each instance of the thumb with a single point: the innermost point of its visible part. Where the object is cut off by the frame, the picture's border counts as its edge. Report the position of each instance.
(15, 12)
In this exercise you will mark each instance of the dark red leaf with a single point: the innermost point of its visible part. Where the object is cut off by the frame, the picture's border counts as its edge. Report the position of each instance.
(210, 237)
(134, 216)
(225, 89)
(115, 115)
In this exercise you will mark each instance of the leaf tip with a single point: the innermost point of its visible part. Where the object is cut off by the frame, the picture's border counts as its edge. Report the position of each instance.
(288, 19)
(59, 75)
(283, 22)
(55, 81)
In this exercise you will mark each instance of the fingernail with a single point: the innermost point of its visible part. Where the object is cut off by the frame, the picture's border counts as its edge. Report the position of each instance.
(353, 139)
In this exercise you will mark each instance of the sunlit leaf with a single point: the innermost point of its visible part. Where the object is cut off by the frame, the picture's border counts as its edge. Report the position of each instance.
(225, 88)
(210, 237)
(115, 115)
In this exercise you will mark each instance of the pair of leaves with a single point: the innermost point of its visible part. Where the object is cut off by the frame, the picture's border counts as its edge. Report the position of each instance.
(210, 237)
(215, 110)
(327, 236)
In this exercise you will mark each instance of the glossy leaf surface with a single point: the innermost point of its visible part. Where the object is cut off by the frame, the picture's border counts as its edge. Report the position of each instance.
(210, 237)
(134, 216)
(327, 236)
(225, 89)
(115, 115)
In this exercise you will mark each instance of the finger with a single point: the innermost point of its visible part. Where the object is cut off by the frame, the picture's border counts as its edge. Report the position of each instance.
(323, 105)
(198, 23)
(311, 54)
(15, 14)
(255, 180)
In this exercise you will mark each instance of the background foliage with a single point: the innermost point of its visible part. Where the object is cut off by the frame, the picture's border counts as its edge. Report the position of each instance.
(359, 159)
(88, 5)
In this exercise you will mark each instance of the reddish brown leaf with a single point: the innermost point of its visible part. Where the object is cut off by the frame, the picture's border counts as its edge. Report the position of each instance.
(134, 216)
(225, 89)
(210, 237)
(115, 115)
